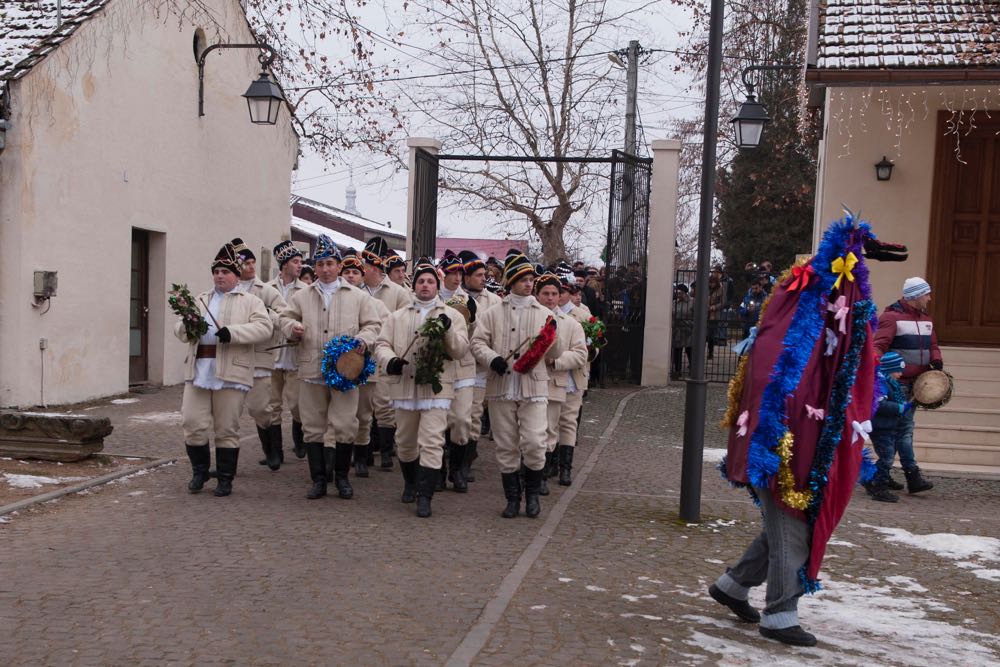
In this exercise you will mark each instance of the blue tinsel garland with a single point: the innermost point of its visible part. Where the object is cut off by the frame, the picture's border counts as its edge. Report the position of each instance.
(332, 351)
(800, 339)
(833, 428)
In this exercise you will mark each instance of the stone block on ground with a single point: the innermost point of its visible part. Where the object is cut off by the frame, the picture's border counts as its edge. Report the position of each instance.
(52, 436)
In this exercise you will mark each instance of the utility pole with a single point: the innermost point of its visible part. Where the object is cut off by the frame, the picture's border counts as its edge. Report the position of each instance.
(694, 402)
(632, 81)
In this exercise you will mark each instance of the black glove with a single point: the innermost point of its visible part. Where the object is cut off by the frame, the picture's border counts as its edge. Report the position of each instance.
(936, 364)
(470, 303)
(499, 365)
(395, 366)
(223, 335)
(445, 320)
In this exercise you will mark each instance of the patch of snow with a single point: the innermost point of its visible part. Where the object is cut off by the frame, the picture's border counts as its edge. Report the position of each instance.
(36, 481)
(136, 493)
(124, 401)
(537, 607)
(4, 519)
(630, 598)
(981, 572)
(712, 455)
(596, 589)
(645, 616)
(565, 580)
(638, 648)
(840, 543)
(714, 560)
(158, 417)
(723, 523)
(907, 583)
(948, 545)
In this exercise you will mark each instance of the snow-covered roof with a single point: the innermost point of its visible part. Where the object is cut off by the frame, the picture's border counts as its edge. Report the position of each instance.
(313, 230)
(874, 34)
(31, 29)
(345, 216)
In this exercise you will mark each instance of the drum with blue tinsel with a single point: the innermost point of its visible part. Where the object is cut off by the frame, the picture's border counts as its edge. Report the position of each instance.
(345, 366)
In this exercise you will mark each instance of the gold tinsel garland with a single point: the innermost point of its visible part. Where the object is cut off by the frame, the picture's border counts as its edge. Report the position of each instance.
(735, 392)
(786, 480)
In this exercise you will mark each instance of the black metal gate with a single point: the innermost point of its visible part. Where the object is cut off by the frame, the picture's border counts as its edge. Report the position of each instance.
(624, 311)
(729, 320)
(425, 200)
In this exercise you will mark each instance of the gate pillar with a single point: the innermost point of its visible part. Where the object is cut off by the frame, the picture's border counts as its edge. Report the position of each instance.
(660, 271)
(421, 198)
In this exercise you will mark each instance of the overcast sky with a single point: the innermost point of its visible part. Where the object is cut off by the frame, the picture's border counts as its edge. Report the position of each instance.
(663, 95)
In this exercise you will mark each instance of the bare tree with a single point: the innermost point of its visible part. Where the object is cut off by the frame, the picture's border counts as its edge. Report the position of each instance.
(532, 79)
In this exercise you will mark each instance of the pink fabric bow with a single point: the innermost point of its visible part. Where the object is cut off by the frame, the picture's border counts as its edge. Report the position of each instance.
(815, 413)
(742, 423)
(839, 309)
(831, 342)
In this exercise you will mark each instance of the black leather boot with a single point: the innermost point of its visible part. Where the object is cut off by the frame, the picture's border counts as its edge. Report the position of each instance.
(471, 454)
(532, 488)
(426, 481)
(328, 456)
(409, 469)
(341, 468)
(550, 465)
(387, 442)
(564, 454)
(277, 446)
(360, 460)
(457, 474)
(894, 485)
(880, 491)
(226, 459)
(265, 445)
(317, 469)
(442, 482)
(298, 440)
(484, 422)
(201, 461)
(511, 491)
(915, 482)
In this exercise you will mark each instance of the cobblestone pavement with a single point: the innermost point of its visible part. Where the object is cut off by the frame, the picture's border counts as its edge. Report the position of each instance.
(140, 572)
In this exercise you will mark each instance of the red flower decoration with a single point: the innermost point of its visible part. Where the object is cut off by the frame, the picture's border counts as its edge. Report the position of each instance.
(539, 346)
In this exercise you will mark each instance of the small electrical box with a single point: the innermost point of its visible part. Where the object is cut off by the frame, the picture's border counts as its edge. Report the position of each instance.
(46, 283)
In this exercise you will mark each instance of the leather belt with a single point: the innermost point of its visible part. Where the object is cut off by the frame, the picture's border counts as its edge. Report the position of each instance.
(205, 352)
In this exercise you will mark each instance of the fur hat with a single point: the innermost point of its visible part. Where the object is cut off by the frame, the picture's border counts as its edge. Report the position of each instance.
(326, 249)
(228, 258)
(284, 251)
(376, 248)
(515, 267)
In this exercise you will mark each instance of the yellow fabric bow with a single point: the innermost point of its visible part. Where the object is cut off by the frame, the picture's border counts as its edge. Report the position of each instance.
(844, 266)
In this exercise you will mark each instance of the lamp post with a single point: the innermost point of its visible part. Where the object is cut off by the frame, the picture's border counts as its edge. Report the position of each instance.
(264, 98)
(750, 121)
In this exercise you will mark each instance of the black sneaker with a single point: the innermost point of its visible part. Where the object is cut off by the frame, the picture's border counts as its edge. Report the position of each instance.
(741, 608)
(794, 635)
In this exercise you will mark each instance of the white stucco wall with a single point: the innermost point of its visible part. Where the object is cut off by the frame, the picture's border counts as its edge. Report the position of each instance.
(104, 137)
(856, 136)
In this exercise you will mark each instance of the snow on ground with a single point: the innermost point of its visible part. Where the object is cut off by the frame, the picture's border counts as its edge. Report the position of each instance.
(36, 481)
(973, 552)
(856, 625)
(124, 401)
(158, 417)
(713, 455)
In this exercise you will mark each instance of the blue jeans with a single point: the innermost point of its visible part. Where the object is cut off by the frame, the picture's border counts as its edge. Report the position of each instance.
(892, 436)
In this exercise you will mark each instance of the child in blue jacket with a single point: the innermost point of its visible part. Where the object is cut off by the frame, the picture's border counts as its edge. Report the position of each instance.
(886, 427)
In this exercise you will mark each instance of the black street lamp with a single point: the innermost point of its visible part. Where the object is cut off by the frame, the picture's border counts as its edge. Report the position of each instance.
(264, 97)
(883, 169)
(750, 121)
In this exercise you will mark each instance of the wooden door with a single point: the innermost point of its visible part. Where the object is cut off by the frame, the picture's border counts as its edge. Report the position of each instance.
(138, 329)
(964, 252)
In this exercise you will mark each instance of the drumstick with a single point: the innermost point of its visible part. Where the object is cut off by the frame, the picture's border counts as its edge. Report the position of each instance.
(403, 356)
(214, 321)
(515, 350)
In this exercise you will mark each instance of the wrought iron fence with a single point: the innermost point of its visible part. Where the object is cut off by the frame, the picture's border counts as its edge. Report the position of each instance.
(624, 307)
(729, 322)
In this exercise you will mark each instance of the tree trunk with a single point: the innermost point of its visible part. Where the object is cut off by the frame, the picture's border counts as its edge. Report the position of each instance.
(553, 246)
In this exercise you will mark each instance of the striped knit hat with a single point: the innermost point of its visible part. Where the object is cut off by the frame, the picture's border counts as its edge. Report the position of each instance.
(914, 288)
(515, 267)
(352, 261)
(451, 263)
(891, 362)
(424, 265)
(547, 278)
(470, 261)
